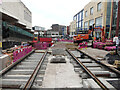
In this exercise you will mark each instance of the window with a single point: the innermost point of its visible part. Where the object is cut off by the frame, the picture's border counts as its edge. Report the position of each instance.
(80, 16)
(85, 13)
(86, 25)
(91, 22)
(99, 6)
(91, 11)
(98, 21)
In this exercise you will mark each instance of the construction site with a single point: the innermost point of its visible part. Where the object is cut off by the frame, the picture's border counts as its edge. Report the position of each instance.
(59, 58)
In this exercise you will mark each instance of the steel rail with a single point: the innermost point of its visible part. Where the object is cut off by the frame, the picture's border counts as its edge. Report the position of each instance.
(110, 68)
(88, 72)
(34, 74)
(7, 69)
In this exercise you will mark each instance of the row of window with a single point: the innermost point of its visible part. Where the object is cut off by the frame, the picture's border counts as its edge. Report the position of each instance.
(79, 16)
(98, 22)
(91, 9)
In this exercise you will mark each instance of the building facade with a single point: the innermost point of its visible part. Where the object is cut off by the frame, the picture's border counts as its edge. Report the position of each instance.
(16, 23)
(72, 29)
(53, 34)
(115, 24)
(98, 13)
(60, 28)
(39, 30)
(79, 20)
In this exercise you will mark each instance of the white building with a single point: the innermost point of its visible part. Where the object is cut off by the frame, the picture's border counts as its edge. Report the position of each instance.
(17, 20)
(53, 34)
(73, 25)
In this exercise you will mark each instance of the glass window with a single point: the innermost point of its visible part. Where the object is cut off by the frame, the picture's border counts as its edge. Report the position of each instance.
(80, 15)
(99, 6)
(91, 11)
(85, 13)
(77, 18)
(86, 25)
(91, 22)
(98, 21)
(80, 24)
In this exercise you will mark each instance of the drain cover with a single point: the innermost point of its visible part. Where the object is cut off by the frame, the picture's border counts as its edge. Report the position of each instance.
(58, 60)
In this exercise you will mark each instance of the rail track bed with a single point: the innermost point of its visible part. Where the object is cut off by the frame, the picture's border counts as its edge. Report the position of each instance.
(93, 73)
(19, 75)
(62, 68)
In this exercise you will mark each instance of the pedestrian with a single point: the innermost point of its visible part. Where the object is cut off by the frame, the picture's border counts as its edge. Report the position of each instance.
(116, 42)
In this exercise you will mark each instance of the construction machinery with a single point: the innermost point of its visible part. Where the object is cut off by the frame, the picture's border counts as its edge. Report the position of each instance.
(86, 35)
(41, 42)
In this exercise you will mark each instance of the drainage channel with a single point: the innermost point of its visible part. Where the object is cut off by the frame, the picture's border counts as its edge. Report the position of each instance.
(93, 74)
(21, 75)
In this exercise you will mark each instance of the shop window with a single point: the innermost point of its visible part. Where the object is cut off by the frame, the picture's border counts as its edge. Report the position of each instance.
(91, 22)
(98, 21)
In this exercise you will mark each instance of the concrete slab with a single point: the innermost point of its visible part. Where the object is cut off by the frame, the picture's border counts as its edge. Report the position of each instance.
(29, 63)
(40, 51)
(58, 51)
(85, 84)
(95, 69)
(3, 61)
(31, 60)
(61, 76)
(91, 64)
(85, 60)
(93, 84)
(25, 67)
(101, 73)
(13, 81)
(76, 53)
(16, 76)
(16, 81)
(21, 72)
(108, 85)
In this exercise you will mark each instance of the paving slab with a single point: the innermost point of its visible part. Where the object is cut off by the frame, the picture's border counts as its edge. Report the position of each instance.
(61, 76)
(96, 53)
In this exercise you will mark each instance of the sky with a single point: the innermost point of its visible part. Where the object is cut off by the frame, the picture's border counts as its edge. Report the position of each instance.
(48, 12)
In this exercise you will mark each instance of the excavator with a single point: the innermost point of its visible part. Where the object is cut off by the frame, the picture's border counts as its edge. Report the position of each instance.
(87, 36)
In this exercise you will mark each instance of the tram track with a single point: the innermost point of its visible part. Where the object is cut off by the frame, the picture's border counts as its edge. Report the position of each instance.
(89, 68)
(23, 73)
(28, 73)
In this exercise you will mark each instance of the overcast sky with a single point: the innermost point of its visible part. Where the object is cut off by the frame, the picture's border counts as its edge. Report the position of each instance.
(48, 12)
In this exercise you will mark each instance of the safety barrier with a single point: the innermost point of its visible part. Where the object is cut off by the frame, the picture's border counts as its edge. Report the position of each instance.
(40, 45)
(20, 53)
(110, 48)
(66, 40)
(82, 45)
